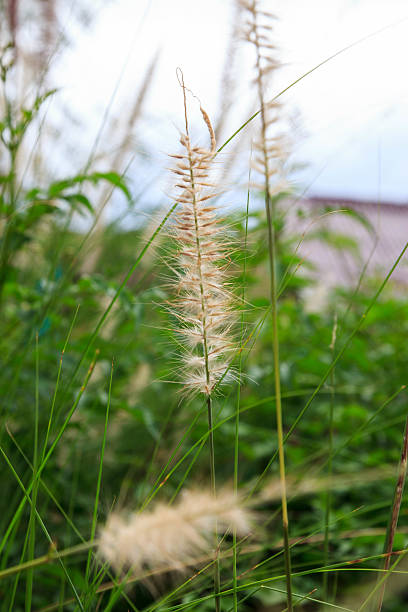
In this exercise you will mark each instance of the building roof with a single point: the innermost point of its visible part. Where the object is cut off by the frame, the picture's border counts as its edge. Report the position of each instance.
(356, 237)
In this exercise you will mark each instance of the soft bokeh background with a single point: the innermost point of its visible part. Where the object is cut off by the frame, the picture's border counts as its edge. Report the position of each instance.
(350, 116)
(84, 293)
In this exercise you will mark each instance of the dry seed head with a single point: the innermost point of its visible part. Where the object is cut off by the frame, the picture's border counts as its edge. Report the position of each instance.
(171, 537)
(203, 307)
(272, 147)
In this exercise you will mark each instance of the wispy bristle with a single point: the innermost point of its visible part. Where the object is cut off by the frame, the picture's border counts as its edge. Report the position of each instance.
(272, 149)
(171, 536)
(203, 305)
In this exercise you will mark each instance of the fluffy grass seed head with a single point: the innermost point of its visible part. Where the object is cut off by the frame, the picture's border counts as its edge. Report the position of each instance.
(272, 148)
(171, 537)
(203, 307)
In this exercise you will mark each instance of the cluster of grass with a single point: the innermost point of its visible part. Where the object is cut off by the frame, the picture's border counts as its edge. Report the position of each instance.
(93, 418)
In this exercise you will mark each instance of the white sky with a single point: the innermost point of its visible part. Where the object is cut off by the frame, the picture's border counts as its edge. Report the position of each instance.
(353, 111)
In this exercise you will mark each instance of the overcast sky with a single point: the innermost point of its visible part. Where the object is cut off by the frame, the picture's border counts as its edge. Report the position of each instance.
(352, 113)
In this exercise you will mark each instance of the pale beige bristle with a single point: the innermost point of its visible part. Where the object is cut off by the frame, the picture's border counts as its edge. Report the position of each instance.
(272, 149)
(171, 536)
(204, 305)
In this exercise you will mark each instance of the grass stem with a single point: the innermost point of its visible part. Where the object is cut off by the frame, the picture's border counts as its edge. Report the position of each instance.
(393, 521)
(32, 521)
(328, 497)
(279, 420)
(214, 491)
(267, 157)
(236, 436)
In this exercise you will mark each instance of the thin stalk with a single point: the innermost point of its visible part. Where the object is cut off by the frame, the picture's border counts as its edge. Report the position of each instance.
(17, 578)
(236, 437)
(47, 435)
(6, 249)
(301, 599)
(234, 534)
(205, 350)
(214, 492)
(328, 499)
(45, 559)
(392, 525)
(31, 525)
(400, 554)
(99, 480)
(77, 456)
(270, 215)
(278, 402)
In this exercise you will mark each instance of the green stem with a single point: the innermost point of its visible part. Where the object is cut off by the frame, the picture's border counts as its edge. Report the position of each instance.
(329, 471)
(32, 524)
(328, 495)
(6, 251)
(45, 559)
(279, 420)
(205, 349)
(99, 480)
(54, 397)
(236, 438)
(214, 492)
(393, 521)
(234, 534)
(270, 215)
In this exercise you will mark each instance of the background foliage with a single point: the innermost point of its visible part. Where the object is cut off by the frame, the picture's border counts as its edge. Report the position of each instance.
(58, 319)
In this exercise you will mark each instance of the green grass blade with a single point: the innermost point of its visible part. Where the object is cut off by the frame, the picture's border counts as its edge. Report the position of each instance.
(238, 401)
(99, 480)
(46, 458)
(309, 72)
(54, 397)
(43, 527)
(31, 524)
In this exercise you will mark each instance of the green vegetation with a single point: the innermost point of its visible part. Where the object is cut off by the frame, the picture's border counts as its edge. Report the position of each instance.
(93, 416)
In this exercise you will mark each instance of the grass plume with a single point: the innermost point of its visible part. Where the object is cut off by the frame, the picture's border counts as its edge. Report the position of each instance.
(203, 307)
(171, 535)
(268, 163)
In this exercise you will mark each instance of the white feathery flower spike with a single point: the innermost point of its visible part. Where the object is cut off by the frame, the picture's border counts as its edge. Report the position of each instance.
(272, 148)
(203, 307)
(171, 537)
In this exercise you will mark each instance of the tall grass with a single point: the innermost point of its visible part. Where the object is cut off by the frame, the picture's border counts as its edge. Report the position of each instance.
(119, 371)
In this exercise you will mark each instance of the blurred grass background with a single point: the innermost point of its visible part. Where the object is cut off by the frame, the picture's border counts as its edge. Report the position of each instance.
(64, 306)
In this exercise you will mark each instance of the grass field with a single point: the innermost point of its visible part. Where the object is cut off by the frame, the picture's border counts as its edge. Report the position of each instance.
(179, 430)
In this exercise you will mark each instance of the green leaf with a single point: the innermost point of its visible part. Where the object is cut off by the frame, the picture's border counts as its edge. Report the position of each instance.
(115, 179)
(78, 198)
(362, 219)
(35, 212)
(32, 194)
(55, 189)
(41, 99)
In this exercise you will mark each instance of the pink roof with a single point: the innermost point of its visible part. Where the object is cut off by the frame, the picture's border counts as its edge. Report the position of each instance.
(379, 242)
